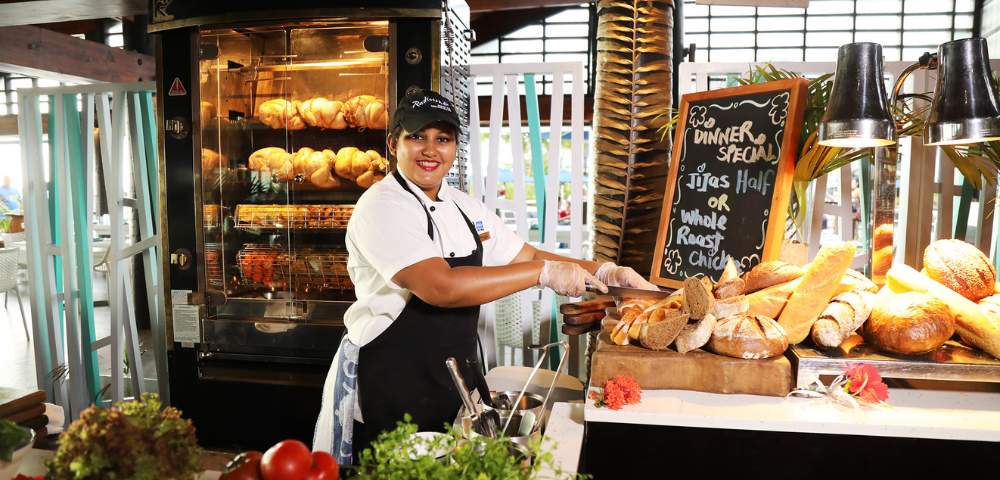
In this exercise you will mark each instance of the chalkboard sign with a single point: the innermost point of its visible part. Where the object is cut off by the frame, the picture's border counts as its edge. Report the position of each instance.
(730, 179)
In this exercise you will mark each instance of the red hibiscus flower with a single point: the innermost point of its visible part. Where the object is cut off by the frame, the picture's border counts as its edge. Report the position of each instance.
(617, 392)
(864, 382)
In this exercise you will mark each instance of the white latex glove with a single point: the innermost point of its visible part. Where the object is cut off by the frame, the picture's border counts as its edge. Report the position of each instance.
(615, 276)
(568, 279)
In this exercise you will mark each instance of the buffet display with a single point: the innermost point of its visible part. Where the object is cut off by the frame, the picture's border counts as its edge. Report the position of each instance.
(948, 315)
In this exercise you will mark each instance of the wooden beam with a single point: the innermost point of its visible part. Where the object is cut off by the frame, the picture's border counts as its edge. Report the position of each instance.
(49, 11)
(492, 25)
(544, 107)
(8, 124)
(495, 6)
(38, 52)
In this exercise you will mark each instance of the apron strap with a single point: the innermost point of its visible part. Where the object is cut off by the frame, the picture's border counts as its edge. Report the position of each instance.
(402, 183)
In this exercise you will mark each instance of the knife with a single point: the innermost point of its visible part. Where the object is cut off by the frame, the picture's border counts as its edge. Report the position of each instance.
(625, 292)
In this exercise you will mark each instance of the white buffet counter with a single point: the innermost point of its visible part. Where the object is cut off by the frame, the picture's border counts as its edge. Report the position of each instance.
(932, 414)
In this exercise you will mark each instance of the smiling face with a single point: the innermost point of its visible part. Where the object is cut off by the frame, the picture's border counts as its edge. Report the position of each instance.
(425, 156)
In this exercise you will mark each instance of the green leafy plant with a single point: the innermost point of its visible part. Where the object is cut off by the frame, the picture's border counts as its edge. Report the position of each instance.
(137, 439)
(12, 437)
(400, 454)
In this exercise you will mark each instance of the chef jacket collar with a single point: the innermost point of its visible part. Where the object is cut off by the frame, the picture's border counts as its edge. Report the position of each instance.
(442, 192)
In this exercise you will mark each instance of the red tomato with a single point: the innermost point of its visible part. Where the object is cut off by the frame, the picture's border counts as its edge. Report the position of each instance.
(324, 467)
(286, 460)
(246, 466)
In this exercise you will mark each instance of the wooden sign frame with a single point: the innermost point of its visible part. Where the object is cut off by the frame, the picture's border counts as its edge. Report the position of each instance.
(774, 236)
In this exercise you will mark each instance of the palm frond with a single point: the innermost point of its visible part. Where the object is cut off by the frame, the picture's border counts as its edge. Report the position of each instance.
(632, 122)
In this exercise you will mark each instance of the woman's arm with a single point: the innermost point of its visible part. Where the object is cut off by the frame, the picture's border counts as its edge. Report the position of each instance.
(437, 283)
(529, 253)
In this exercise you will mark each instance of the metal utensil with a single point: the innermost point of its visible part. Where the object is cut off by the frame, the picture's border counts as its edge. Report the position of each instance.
(480, 381)
(625, 292)
(490, 416)
(545, 354)
(463, 392)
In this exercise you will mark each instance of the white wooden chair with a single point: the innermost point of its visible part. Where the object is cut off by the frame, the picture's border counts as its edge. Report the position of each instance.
(8, 282)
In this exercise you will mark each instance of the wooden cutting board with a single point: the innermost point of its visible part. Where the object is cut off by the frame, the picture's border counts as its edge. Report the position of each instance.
(697, 370)
(13, 400)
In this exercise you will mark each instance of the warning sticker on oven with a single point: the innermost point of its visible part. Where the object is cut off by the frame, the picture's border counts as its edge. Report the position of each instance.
(177, 88)
(186, 326)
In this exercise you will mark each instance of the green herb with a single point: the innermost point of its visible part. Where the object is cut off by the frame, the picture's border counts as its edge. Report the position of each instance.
(12, 437)
(134, 439)
(398, 455)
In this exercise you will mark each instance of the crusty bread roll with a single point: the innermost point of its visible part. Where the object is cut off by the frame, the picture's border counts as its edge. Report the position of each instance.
(909, 323)
(991, 305)
(961, 267)
(696, 335)
(749, 337)
(771, 273)
(817, 287)
(841, 317)
(698, 299)
(731, 306)
(729, 288)
(973, 324)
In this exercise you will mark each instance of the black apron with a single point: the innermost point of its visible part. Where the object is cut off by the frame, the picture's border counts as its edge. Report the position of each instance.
(403, 371)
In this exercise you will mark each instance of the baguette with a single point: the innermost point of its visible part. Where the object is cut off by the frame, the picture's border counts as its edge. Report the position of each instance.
(696, 335)
(770, 301)
(972, 323)
(845, 314)
(817, 287)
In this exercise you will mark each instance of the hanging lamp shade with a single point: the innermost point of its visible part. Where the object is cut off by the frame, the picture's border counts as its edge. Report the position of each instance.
(965, 108)
(857, 115)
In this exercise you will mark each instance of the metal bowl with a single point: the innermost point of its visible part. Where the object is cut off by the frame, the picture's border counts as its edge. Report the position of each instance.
(505, 403)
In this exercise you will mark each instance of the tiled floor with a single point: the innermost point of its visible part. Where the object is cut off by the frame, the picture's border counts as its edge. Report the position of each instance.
(17, 358)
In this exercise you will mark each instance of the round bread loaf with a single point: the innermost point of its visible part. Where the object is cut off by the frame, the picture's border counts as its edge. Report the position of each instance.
(748, 336)
(909, 323)
(770, 273)
(961, 267)
(991, 305)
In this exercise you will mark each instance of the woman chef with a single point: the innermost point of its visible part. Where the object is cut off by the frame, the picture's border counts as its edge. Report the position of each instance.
(423, 257)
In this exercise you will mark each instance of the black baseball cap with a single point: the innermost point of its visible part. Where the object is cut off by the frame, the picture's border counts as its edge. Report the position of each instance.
(418, 109)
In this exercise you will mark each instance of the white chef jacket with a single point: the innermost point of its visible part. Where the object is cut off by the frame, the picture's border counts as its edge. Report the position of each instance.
(387, 232)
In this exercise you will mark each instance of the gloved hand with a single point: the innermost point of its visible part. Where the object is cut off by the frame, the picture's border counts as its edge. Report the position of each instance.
(567, 278)
(616, 276)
